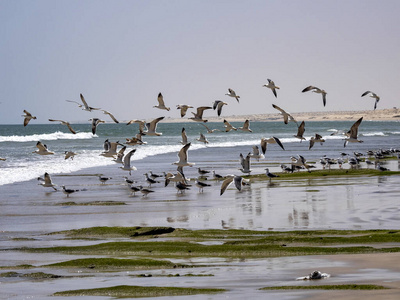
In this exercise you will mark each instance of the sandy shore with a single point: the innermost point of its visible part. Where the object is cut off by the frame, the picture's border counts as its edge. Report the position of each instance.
(377, 115)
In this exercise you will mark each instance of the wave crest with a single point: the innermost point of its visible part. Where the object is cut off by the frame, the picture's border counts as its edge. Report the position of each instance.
(58, 135)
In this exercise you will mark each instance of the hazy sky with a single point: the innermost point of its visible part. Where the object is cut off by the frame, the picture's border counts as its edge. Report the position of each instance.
(121, 54)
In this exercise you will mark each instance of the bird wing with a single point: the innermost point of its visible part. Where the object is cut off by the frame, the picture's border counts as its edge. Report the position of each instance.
(278, 108)
(246, 124)
(256, 151)
(324, 98)
(354, 128)
(184, 136)
(27, 113)
(317, 136)
(26, 121)
(226, 183)
(127, 158)
(70, 128)
(278, 142)
(160, 99)
(220, 104)
(264, 145)
(182, 154)
(238, 182)
(201, 109)
(242, 162)
(300, 129)
(216, 102)
(41, 146)
(74, 102)
(365, 93)
(111, 115)
(312, 141)
(153, 124)
(84, 101)
(47, 179)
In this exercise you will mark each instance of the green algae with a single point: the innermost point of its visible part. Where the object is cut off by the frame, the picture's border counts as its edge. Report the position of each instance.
(35, 275)
(328, 287)
(125, 291)
(94, 203)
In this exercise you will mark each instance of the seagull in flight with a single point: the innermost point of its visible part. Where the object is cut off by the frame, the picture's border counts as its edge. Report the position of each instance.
(127, 162)
(183, 108)
(47, 181)
(198, 116)
(202, 139)
(152, 127)
(95, 122)
(27, 117)
(183, 157)
(272, 140)
(233, 94)
(161, 104)
(42, 149)
(316, 90)
(286, 116)
(228, 126)
(208, 129)
(245, 162)
(238, 180)
(184, 137)
(372, 95)
(110, 114)
(271, 85)
(246, 126)
(256, 153)
(300, 132)
(64, 123)
(142, 125)
(84, 104)
(315, 139)
(352, 133)
(218, 105)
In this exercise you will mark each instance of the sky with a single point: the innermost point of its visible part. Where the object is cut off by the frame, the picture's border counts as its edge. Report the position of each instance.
(121, 54)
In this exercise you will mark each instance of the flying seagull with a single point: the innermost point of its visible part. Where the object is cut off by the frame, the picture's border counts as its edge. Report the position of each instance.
(238, 180)
(316, 90)
(228, 126)
(352, 133)
(245, 162)
(218, 105)
(198, 116)
(27, 117)
(183, 157)
(184, 137)
(142, 125)
(95, 122)
(110, 114)
(161, 104)
(300, 132)
(256, 153)
(64, 123)
(372, 95)
(286, 116)
(69, 154)
(272, 140)
(127, 162)
(315, 139)
(84, 106)
(271, 85)
(42, 149)
(246, 126)
(202, 139)
(47, 181)
(152, 127)
(183, 108)
(208, 129)
(233, 94)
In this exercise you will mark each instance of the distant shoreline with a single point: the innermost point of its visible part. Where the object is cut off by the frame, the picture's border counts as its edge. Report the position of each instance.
(392, 114)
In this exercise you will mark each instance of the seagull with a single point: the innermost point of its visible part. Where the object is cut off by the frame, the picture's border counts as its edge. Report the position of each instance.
(208, 129)
(238, 180)
(135, 140)
(154, 176)
(181, 187)
(42, 149)
(85, 106)
(183, 108)
(149, 180)
(68, 191)
(104, 179)
(129, 181)
(216, 176)
(161, 104)
(145, 191)
(142, 125)
(218, 105)
(198, 116)
(134, 189)
(316, 90)
(300, 161)
(202, 172)
(245, 162)
(152, 127)
(256, 153)
(69, 154)
(2, 159)
(183, 157)
(110, 114)
(246, 126)
(127, 162)
(120, 155)
(352, 134)
(233, 94)
(317, 139)
(271, 85)
(27, 117)
(110, 148)
(270, 175)
(202, 139)
(178, 177)
(272, 140)
(372, 95)
(380, 168)
(95, 122)
(228, 126)
(201, 185)
(286, 116)
(47, 181)
(64, 123)
(300, 132)
(184, 137)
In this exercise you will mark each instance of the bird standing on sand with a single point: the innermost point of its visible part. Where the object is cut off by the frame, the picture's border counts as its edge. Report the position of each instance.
(104, 179)
(27, 117)
(161, 104)
(201, 185)
(372, 95)
(233, 94)
(181, 187)
(271, 85)
(316, 90)
(270, 175)
(68, 191)
(64, 123)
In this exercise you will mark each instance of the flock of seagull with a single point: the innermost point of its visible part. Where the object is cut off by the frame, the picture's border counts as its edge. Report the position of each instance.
(181, 182)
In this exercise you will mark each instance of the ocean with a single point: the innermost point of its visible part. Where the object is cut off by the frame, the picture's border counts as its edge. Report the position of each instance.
(221, 153)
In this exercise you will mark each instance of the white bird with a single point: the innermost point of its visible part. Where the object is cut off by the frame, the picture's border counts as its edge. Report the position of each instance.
(183, 157)
(120, 155)
(68, 191)
(271, 85)
(218, 105)
(316, 90)
(202, 139)
(353, 132)
(110, 114)
(183, 108)
(127, 162)
(152, 127)
(64, 123)
(201, 185)
(228, 126)
(286, 116)
(300, 132)
(208, 129)
(110, 148)
(256, 153)
(184, 137)
(271, 140)
(246, 126)
(95, 122)
(178, 177)
(233, 94)
(270, 175)
(69, 154)
(85, 106)
(372, 95)
(47, 181)
(198, 116)
(316, 139)
(238, 180)
(161, 104)
(42, 149)
(245, 162)
(27, 117)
